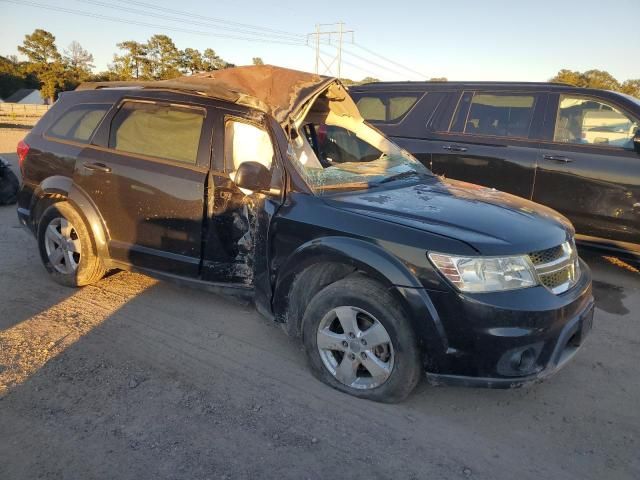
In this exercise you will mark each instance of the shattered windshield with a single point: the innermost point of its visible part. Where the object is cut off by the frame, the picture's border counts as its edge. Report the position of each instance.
(334, 158)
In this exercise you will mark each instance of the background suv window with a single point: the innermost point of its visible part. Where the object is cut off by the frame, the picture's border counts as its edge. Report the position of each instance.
(386, 107)
(583, 120)
(78, 123)
(500, 115)
(162, 131)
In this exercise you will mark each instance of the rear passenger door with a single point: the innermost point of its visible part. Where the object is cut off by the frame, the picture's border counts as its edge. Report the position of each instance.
(146, 173)
(491, 140)
(588, 168)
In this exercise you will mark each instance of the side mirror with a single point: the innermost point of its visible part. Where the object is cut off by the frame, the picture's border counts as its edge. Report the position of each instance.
(636, 141)
(253, 176)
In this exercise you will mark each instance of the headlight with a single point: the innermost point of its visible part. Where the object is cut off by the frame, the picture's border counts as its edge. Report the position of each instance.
(485, 274)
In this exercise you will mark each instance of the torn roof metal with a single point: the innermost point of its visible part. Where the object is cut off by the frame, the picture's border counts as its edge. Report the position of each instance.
(281, 92)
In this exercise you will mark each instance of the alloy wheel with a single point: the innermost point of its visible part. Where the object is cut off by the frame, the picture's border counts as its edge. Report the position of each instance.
(355, 347)
(62, 245)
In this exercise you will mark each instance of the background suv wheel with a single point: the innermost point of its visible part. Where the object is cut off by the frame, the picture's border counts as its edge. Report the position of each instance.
(66, 247)
(359, 341)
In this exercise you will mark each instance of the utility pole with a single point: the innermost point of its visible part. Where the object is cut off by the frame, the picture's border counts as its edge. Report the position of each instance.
(317, 48)
(329, 34)
(340, 48)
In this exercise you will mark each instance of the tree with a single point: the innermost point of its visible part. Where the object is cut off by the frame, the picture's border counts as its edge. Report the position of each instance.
(163, 58)
(130, 64)
(14, 75)
(600, 79)
(589, 79)
(192, 61)
(257, 61)
(368, 80)
(569, 77)
(78, 60)
(631, 87)
(40, 48)
(53, 80)
(211, 61)
(45, 62)
(438, 79)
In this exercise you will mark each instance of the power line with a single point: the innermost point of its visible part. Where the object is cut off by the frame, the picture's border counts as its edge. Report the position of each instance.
(393, 62)
(146, 24)
(383, 67)
(211, 19)
(182, 20)
(353, 65)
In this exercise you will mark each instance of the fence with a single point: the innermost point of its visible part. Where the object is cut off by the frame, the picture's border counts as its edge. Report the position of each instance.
(22, 110)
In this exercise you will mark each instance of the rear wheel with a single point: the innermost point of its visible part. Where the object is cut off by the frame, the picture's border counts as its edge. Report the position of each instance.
(359, 341)
(66, 247)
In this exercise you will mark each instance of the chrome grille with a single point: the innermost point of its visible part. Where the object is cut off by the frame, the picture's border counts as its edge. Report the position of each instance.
(557, 268)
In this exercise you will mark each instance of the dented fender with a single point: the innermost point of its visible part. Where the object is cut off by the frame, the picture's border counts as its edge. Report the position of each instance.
(376, 262)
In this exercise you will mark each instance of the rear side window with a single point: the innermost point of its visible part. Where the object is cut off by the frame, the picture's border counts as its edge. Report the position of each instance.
(162, 131)
(386, 107)
(500, 115)
(584, 120)
(79, 122)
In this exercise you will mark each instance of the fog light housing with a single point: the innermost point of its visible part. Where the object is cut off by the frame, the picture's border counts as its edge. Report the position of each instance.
(523, 361)
(520, 361)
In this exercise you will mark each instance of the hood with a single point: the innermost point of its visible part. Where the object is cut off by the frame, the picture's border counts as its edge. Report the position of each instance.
(280, 92)
(492, 222)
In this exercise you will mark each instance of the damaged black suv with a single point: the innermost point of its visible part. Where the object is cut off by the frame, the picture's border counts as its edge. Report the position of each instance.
(267, 183)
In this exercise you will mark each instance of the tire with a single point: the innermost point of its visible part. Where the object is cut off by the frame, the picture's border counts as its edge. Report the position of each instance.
(63, 233)
(9, 186)
(397, 365)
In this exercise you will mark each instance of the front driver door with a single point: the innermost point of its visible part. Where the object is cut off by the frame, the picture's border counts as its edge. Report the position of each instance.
(238, 221)
(588, 169)
(148, 183)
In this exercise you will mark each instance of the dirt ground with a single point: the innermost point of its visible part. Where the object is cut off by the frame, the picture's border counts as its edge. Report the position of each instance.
(134, 378)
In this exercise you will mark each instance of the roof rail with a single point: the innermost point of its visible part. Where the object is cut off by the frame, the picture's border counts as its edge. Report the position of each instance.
(463, 82)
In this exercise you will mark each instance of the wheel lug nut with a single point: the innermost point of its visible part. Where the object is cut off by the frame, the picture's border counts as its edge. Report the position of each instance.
(351, 335)
(363, 355)
(344, 343)
(363, 341)
(352, 356)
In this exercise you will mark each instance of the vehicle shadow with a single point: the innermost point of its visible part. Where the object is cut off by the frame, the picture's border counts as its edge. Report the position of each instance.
(171, 382)
(25, 286)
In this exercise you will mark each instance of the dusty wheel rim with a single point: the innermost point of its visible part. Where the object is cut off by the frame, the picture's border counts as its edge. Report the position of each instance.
(62, 245)
(355, 348)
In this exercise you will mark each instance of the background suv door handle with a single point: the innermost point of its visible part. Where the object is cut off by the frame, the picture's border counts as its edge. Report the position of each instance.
(455, 148)
(557, 158)
(101, 167)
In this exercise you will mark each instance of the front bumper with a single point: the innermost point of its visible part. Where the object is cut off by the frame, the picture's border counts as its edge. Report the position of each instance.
(506, 339)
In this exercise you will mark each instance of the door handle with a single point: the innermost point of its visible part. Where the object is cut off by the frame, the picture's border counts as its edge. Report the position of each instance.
(100, 167)
(557, 158)
(455, 148)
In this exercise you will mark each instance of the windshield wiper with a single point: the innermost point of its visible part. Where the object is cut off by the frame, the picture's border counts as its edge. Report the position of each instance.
(398, 176)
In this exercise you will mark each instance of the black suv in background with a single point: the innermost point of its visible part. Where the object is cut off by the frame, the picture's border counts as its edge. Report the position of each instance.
(575, 150)
(267, 183)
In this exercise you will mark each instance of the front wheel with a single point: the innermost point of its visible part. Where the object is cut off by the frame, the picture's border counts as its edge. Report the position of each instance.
(359, 341)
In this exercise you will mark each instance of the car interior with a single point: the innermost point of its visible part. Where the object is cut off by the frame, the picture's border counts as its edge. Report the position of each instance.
(331, 138)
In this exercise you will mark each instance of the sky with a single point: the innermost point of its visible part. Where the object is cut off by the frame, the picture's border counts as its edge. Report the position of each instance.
(402, 39)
